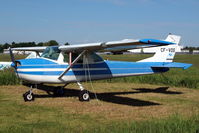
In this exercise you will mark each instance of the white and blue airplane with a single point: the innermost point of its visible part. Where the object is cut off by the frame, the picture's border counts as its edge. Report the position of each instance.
(79, 63)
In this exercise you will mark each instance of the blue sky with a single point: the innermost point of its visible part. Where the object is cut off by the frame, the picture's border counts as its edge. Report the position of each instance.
(82, 21)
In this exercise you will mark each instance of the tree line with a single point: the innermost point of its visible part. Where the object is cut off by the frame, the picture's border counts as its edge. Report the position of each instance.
(191, 48)
(28, 44)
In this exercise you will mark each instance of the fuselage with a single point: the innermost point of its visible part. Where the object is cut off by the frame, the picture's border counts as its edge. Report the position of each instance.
(42, 70)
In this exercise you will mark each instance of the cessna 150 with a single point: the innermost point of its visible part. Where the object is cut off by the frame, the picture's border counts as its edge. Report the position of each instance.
(78, 63)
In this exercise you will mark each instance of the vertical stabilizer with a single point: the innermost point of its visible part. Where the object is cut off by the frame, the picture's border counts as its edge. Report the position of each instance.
(165, 53)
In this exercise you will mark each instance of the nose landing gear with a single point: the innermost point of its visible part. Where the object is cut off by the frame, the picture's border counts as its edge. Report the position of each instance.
(28, 96)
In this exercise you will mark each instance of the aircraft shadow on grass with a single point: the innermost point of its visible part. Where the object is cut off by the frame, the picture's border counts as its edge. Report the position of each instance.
(112, 97)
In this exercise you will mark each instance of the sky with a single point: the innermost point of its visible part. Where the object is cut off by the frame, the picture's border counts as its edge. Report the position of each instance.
(84, 21)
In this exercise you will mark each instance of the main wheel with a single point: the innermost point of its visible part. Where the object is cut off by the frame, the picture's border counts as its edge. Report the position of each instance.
(84, 96)
(28, 96)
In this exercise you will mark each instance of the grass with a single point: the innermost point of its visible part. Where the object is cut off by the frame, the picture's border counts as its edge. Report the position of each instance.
(8, 77)
(6, 57)
(177, 110)
(174, 124)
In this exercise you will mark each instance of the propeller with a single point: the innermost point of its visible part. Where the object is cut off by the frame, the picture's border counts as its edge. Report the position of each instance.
(12, 59)
(14, 63)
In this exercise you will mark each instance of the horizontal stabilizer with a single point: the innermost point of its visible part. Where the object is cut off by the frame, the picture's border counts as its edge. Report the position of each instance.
(173, 65)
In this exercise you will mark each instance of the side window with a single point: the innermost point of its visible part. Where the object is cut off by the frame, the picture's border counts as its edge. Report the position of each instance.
(95, 57)
(91, 57)
(74, 56)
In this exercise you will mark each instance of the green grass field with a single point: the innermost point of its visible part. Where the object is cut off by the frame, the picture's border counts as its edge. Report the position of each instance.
(120, 107)
(123, 105)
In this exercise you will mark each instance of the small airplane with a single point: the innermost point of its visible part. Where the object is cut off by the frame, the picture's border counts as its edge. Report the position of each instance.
(79, 63)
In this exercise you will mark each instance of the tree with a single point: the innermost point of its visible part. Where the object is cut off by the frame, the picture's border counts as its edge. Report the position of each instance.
(6, 46)
(51, 43)
(40, 44)
(67, 43)
(1, 48)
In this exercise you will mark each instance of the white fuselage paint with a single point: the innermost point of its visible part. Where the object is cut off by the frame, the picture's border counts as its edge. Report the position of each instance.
(72, 78)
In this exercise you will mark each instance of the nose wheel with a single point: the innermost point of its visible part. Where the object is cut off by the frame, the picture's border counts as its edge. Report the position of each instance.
(28, 96)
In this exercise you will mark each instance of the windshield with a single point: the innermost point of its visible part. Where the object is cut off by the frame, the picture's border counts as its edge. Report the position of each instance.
(51, 53)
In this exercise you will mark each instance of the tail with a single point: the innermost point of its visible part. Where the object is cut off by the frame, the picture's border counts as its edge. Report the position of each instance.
(165, 53)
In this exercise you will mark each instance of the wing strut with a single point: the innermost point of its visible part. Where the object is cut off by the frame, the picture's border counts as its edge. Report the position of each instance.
(71, 64)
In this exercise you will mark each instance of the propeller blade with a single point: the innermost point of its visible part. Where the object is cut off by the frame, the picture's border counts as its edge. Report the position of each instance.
(12, 57)
(13, 61)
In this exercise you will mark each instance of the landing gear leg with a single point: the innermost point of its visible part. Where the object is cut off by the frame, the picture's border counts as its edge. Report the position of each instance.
(84, 94)
(29, 96)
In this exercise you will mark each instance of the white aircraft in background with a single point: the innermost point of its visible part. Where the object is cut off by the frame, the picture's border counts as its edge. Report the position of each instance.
(4, 65)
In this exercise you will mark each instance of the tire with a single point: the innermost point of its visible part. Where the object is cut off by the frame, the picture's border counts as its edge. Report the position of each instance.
(28, 96)
(84, 96)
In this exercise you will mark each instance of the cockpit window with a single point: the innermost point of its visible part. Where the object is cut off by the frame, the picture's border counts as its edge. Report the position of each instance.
(96, 58)
(89, 57)
(51, 53)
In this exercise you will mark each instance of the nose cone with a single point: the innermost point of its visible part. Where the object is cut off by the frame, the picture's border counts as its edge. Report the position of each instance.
(13, 64)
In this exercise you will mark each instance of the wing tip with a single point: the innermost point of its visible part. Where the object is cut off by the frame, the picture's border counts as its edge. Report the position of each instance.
(155, 41)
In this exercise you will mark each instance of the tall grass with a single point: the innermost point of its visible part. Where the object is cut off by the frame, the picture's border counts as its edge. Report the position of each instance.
(176, 78)
(8, 77)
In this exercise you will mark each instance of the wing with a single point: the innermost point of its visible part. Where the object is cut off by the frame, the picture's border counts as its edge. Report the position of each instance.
(97, 46)
(107, 46)
(37, 49)
(116, 45)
